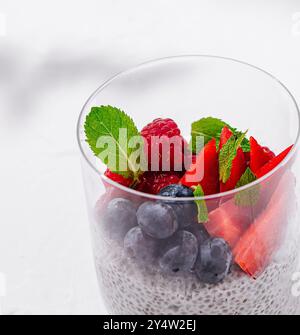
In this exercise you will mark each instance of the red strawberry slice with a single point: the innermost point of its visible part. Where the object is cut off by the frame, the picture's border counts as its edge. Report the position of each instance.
(228, 222)
(259, 156)
(225, 136)
(239, 163)
(247, 158)
(254, 251)
(273, 163)
(239, 166)
(208, 178)
(118, 178)
(269, 152)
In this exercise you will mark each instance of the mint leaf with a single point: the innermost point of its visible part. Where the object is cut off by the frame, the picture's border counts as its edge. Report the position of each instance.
(247, 178)
(247, 198)
(227, 155)
(245, 144)
(108, 121)
(201, 205)
(210, 127)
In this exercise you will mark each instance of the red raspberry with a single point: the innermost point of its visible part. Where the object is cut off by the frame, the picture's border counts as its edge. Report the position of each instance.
(164, 127)
(153, 182)
(118, 178)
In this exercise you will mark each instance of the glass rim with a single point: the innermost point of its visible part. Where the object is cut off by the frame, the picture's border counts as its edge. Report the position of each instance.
(206, 197)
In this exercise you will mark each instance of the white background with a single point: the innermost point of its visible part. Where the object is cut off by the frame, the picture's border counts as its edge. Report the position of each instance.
(53, 54)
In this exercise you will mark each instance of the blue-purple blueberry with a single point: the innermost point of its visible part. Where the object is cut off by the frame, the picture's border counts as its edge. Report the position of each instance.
(140, 247)
(157, 220)
(186, 211)
(119, 217)
(180, 253)
(214, 261)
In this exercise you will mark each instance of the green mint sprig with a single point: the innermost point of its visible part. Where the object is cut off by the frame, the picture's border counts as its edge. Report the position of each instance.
(201, 205)
(210, 127)
(107, 122)
(227, 155)
(249, 197)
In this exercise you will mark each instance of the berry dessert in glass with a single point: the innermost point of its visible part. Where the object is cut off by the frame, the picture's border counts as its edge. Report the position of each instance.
(189, 166)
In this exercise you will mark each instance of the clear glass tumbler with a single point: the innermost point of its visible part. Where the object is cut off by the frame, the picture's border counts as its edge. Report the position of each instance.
(185, 89)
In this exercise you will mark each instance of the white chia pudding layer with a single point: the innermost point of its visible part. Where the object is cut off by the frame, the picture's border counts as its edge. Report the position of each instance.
(128, 288)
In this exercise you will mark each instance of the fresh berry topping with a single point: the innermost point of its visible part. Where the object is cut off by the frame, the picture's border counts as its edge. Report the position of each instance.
(180, 253)
(214, 261)
(273, 163)
(225, 136)
(259, 156)
(205, 171)
(255, 249)
(160, 130)
(239, 163)
(139, 246)
(118, 178)
(119, 217)
(247, 157)
(190, 159)
(186, 211)
(157, 220)
(176, 191)
(153, 182)
(239, 166)
(269, 152)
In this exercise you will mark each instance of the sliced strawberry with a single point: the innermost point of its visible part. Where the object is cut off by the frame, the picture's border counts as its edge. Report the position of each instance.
(208, 178)
(273, 163)
(269, 152)
(118, 178)
(259, 156)
(247, 158)
(225, 136)
(239, 166)
(190, 159)
(228, 222)
(255, 249)
(239, 163)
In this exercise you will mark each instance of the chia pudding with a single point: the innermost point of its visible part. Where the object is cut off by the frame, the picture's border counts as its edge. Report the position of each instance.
(141, 286)
(128, 288)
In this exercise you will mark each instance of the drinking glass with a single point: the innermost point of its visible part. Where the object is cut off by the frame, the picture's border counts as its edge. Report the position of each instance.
(187, 88)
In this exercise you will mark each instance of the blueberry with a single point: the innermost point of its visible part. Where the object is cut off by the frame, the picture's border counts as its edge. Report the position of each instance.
(139, 246)
(199, 231)
(176, 191)
(157, 220)
(213, 261)
(119, 217)
(180, 253)
(186, 210)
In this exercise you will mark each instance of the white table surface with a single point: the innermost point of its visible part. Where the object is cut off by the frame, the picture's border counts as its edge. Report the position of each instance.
(52, 56)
